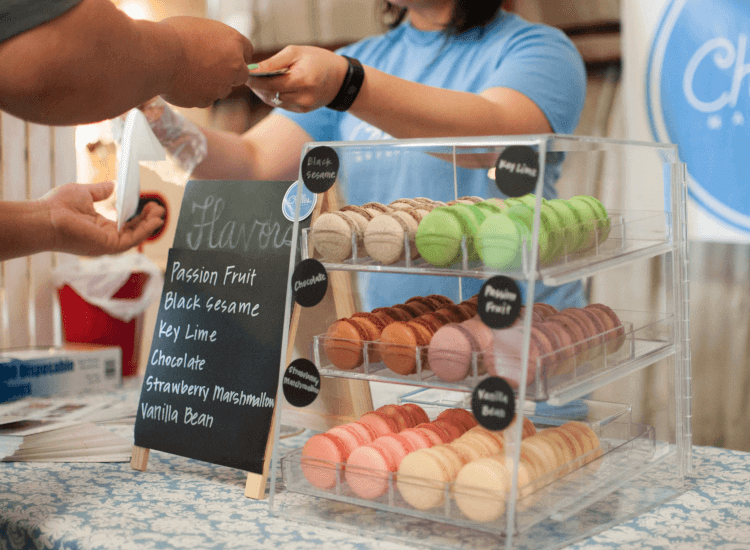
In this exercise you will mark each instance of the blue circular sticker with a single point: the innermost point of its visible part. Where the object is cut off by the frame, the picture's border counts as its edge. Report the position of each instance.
(698, 97)
(289, 204)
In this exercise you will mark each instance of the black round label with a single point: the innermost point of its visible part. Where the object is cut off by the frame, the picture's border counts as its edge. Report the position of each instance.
(309, 282)
(499, 302)
(517, 170)
(320, 168)
(493, 403)
(301, 383)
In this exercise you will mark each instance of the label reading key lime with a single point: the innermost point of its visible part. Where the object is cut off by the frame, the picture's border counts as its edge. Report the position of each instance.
(517, 170)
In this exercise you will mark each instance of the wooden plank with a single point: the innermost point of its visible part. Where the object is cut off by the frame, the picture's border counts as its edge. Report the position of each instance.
(15, 282)
(40, 265)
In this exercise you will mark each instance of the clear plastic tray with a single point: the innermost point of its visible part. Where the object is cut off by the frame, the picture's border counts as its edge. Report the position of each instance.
(592, 412)
(626, 449)
(645, 341)
(631, 235)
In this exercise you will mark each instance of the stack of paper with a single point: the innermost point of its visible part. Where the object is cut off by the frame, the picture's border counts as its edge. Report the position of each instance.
(66, 430)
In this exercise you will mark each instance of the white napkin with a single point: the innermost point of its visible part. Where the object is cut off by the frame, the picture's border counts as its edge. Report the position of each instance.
(138, 144)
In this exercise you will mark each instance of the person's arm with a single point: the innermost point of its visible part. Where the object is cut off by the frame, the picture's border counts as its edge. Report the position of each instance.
(93, 62)
(64, 220)
(269, 151)
(399, 107)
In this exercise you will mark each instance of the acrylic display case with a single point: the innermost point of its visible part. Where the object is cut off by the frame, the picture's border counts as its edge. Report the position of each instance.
(635, 466)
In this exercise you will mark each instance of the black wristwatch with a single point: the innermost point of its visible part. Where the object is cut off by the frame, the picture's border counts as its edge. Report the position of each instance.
(355, 76)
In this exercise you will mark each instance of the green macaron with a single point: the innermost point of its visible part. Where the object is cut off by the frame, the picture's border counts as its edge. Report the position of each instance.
(574, 234)
(589, 221)
(553, 227)
(601, 214)
(498, 242)
(471, 218)
(438, 237)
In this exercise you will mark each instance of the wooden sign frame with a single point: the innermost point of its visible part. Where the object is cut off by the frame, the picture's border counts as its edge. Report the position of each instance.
(325, 412)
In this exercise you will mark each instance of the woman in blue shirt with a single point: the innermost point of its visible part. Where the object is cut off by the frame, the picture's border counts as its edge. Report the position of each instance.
(444, 68)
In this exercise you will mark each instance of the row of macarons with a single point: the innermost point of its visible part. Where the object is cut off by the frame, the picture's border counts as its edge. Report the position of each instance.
(481, 487)
(368, 450)
(391, 334)
(499, 232)
(384, 232)
(450, 340)
(494, 229)
(559, 341)
(398, 442)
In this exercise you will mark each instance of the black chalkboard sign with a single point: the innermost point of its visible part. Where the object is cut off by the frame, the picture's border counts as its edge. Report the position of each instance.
(212, 372)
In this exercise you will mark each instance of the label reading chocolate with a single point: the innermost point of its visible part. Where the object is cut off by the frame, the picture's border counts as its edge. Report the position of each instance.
(320, 168)
(493, 403)
(301, 383)
(499, 302)
(309, 282)
(517, 170)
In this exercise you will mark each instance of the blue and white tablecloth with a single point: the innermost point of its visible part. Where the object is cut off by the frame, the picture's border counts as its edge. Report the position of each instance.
(179, 503)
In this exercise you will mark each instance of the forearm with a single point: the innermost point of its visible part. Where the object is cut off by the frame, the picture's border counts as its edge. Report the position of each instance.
(24, 229)
(407, 109)
(269, 151)
(89, 64)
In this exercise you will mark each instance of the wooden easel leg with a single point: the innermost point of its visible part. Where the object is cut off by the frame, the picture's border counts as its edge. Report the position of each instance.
(255, 486)
(139, 458)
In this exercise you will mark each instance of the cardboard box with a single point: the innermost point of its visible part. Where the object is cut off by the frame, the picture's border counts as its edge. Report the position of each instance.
(67, 370)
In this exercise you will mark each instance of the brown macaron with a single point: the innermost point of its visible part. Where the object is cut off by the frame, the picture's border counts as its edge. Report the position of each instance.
(615, 335)
(374, 326)
(440, 298)
(412, 309)
(455, 313)
(430, 304)
(344, 343)
(391, 315)
(398, 346)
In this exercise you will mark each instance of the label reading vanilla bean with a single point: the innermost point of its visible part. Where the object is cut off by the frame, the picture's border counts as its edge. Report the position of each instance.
(493, 403)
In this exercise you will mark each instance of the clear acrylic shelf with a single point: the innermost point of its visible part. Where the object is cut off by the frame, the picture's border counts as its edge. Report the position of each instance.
(625, 450)
(630, 236)
(645, 340)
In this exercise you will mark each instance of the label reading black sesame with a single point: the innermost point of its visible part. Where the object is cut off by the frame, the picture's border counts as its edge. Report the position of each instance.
(301, 383)
(320, 168)
(309, 282)
(517, 170)
(499, 302)
(493, 403)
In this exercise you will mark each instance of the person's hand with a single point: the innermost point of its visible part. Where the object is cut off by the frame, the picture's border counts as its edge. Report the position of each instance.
(214, 60)
(314, 78)
(78, 229)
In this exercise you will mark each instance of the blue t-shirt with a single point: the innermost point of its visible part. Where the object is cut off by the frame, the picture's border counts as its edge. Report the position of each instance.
(536, 60)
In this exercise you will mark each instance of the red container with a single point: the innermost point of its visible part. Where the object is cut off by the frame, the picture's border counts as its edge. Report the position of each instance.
(89, 324)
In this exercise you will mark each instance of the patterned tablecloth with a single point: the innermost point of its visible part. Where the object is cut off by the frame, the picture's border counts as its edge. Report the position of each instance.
(181, 503)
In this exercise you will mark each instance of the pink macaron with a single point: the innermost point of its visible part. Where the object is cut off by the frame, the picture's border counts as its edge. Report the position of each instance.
(322, 455)
(368, 469)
